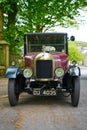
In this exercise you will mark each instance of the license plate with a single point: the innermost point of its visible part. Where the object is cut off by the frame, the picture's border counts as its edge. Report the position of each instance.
(36, 91)
(51, 92)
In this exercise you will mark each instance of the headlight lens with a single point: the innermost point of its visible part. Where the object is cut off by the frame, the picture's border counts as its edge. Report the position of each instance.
(27, 72)
(59, 72)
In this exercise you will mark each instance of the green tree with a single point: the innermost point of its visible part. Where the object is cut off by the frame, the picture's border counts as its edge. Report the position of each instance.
(40, 15)
(74, 53)
(10, 10)
(36, 16)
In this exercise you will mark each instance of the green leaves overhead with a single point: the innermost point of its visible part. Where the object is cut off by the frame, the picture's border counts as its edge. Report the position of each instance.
(22, 16)
(39, 14)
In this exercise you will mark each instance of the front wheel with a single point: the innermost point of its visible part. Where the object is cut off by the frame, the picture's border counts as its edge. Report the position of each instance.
(75, 94)
(13, 92)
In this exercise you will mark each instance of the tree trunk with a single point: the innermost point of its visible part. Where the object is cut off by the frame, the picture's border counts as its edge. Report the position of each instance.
(1, 24)
(11, 21)
(12, 15)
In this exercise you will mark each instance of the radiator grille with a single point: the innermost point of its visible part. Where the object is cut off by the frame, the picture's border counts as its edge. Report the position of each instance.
(44, 69)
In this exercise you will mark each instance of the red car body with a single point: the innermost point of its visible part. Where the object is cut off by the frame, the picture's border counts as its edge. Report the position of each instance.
(60, 60)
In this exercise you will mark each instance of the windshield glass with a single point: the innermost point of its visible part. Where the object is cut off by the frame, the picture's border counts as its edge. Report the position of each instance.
(35, 41)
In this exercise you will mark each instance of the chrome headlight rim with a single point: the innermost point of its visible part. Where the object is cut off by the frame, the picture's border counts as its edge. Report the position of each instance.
(59, 72)
(27, 72)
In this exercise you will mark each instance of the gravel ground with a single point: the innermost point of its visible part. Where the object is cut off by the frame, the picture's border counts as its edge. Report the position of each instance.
(83, 72)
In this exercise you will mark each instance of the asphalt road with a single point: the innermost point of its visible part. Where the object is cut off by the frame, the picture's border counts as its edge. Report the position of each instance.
(44, 113)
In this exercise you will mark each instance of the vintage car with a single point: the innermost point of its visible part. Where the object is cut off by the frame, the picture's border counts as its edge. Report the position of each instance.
(47, 71)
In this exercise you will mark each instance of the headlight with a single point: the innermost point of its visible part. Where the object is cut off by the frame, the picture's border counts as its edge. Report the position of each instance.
(59, 72)
(27, 72)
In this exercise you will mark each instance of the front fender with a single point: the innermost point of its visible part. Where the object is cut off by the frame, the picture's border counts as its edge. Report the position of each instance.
(75, 71)
(12, 72)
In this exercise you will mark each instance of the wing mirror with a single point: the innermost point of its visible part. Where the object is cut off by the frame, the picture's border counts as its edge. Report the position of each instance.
(17, 39)
(72, 38)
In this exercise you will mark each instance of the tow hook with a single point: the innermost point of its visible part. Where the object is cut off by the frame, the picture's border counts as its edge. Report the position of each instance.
(59, 86)
(27, 85)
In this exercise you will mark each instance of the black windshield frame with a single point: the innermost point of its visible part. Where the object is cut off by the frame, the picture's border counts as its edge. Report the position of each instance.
(33, 42)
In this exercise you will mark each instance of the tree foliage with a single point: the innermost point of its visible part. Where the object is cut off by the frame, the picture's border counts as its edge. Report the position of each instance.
(22, 16)
(40, 15)
(74, 53)
(10, 10)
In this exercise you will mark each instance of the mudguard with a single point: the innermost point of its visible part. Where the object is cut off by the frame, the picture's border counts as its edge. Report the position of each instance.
(75, 71)
(12, 72)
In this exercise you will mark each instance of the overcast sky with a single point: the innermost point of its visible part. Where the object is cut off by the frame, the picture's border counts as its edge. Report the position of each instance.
(81, 32)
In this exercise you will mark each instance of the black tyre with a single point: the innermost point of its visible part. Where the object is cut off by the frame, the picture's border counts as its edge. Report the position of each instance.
(13, 92)
(75, 95)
